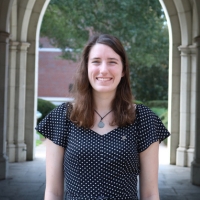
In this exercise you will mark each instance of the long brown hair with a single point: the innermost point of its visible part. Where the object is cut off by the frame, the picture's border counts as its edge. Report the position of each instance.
(83, 110)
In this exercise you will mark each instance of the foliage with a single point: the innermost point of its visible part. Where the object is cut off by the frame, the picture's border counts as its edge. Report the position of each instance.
(158, 104)
(150, 83)
(140, 25)
(39, 139)
(138, 102)
(44, 107)
(164, 118)
(160, 108)
(163, 115)
(158, 111)
(38, 142)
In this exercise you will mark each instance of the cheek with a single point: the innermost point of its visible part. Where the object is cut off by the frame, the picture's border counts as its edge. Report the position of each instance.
(92, 71)
(91, 74)
(117, 72)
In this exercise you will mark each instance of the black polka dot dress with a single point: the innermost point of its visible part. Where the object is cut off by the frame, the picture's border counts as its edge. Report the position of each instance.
(102, 167)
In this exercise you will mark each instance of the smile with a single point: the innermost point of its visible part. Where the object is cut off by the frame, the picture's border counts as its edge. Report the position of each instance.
(103, 79)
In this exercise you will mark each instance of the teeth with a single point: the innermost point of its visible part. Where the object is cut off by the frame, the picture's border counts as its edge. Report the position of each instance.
(103, 79)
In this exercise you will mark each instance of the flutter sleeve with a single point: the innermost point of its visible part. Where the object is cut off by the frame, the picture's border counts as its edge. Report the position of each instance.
(55, 125)
(150, 128)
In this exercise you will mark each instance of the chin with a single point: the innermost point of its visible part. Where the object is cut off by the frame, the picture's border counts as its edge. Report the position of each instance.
(105, 90)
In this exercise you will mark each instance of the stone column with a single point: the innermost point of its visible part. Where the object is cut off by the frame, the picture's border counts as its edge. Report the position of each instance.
(174, 102)
(195, 166)
(11, 102)
(190, 150)
(4, 38)
(20, 92)
(181, 153)
(31, 101)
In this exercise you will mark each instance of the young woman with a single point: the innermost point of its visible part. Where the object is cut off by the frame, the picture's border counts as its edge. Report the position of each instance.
(101, 142)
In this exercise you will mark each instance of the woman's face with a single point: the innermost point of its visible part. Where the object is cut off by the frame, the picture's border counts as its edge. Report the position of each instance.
(105, 69)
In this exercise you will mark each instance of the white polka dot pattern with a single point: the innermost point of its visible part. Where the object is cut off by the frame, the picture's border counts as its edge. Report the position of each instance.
(54, 126)
(150, 128)
(102, 167)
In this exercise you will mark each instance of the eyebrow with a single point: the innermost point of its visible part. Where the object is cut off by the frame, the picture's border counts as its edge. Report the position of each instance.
(113, 59)
(97, 58)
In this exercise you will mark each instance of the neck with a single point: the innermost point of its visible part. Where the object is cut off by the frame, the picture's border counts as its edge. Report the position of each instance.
(103, 102)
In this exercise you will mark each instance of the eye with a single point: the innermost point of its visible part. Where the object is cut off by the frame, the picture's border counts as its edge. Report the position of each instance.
(113, 62)
(96, 62)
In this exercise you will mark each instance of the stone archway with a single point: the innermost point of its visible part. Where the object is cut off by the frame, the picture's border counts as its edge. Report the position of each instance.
(184, 92)
(25, 24)
(19, 30)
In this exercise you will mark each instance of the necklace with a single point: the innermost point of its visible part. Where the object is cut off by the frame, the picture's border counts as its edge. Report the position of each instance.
(101, 124)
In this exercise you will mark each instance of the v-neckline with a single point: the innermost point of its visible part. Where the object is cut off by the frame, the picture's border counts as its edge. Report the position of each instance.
(108, 133)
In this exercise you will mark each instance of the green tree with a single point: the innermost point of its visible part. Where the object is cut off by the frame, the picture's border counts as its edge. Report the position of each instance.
(152, 83)
(140, 25)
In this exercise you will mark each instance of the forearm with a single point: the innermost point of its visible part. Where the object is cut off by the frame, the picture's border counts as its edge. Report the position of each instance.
(152, 197)
(51, 196)
(54, 171)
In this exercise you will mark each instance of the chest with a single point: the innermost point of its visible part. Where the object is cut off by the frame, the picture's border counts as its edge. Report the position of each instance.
(117, 146)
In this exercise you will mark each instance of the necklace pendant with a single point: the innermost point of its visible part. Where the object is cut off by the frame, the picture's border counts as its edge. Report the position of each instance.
(101, 124)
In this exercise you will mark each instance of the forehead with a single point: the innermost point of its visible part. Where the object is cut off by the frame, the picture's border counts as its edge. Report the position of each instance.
(102, 50)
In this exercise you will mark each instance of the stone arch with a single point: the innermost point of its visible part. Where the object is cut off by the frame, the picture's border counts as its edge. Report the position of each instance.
(184, 10)
(24, 23)
(22, 85)
(174, 76)
(184, 74)
(32, 74)
(24, 13)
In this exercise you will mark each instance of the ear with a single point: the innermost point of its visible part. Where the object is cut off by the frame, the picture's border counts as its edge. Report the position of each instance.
(122, 74)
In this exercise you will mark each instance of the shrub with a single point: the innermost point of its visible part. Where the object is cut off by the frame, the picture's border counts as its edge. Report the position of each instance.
(157, 103)
(138, 102)
(44, 107)
(163, 115)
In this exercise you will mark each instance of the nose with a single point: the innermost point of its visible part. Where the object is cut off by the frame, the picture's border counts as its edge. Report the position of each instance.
(103, 68)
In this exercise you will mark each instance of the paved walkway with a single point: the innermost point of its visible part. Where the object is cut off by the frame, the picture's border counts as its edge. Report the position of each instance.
(27, 180)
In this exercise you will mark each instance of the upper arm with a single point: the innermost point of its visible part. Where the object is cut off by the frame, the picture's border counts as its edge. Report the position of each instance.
(54, 169)
(149, 172)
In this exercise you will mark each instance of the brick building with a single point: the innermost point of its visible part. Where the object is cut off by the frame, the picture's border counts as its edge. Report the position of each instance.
(55, 75)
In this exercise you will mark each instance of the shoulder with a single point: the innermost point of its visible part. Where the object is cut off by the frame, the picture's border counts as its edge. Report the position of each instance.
(150, 127)
(61, 110)
(143, 111)
(55, 125)
(141, 107)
